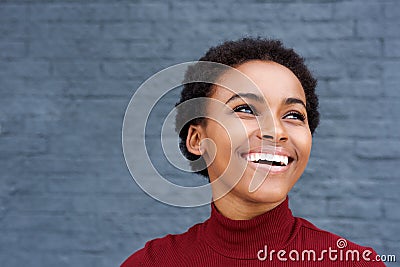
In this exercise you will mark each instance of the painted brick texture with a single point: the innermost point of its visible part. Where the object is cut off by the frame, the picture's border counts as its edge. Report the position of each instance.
(68, 69)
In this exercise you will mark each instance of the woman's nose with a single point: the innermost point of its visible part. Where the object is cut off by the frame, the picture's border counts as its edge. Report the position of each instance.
(272, 129)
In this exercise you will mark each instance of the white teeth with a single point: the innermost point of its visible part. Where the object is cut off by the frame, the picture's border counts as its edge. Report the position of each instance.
(284, 160)
(268, 157)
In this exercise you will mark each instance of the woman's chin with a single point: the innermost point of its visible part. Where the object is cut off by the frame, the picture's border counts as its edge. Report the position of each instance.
(268, 195)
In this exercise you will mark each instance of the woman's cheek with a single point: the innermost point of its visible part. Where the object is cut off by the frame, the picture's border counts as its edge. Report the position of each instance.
(303, 140)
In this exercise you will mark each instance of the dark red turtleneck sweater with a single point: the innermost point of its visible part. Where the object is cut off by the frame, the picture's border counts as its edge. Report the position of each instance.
(275, 239)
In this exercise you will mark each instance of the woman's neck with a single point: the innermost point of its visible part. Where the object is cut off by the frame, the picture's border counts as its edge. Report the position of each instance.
(235, 208)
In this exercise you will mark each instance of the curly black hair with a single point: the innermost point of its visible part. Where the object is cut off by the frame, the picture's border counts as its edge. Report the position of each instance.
(233, 54)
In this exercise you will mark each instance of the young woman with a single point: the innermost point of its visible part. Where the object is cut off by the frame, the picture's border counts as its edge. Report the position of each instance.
(257, 146)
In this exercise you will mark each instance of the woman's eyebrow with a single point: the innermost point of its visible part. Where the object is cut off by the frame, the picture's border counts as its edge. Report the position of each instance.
(246, 95)
(292, 100)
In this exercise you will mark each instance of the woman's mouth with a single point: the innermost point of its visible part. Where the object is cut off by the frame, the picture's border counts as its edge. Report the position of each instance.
(270, 159)
(270, 162)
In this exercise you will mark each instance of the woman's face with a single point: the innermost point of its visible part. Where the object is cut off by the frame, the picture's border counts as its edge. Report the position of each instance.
(261, 138)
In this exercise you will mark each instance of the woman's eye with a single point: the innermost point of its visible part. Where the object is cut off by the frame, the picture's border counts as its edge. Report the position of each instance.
(244, 109)
(296, 116)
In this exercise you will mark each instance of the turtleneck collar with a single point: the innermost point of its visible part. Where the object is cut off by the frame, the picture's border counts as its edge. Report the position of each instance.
(244, 238)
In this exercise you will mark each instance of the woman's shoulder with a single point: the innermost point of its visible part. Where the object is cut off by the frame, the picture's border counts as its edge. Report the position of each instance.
(159, 251)
(313, 234)
(335, 246)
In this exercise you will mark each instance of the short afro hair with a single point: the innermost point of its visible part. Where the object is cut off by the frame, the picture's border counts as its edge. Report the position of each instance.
(233, 54)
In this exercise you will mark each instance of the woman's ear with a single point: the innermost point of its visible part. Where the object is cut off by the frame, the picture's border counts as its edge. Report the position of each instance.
(193, 139)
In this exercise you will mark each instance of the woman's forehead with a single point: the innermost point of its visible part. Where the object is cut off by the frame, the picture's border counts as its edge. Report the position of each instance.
(265, 79)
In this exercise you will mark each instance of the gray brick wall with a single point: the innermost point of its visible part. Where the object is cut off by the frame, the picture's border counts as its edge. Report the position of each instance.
(68, 69)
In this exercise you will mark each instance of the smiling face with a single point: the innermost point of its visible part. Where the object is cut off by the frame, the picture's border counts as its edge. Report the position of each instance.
(262, 135)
